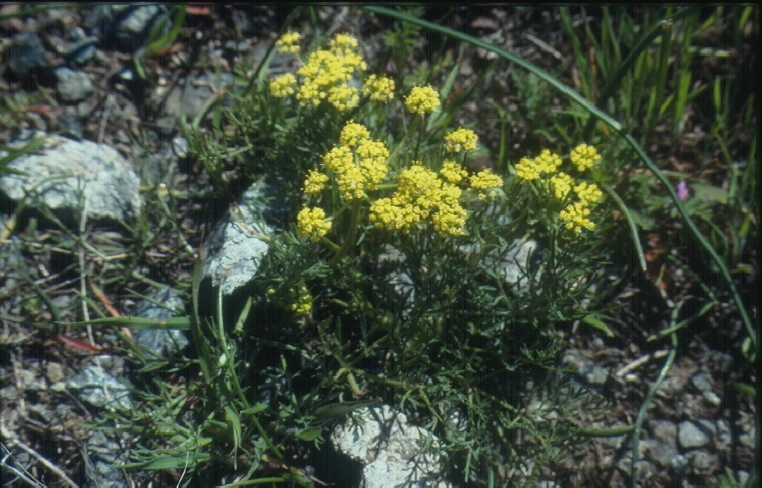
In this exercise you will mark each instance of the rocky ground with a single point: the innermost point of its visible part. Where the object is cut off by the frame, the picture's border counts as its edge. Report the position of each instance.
(72, 71)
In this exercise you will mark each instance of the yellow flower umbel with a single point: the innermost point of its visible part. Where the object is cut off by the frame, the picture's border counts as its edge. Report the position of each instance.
(420, 197)
(289, 43)
(327, 72)
(561, 187)
(584, 157)
(422, 100)
(283, 86)
(312, 224)
(303, 303)
(575, 217)
(485, 183)
(379, 88)
(358, 163)
(453, 172)
(561, 184)
(532, 169)
(461, 140)
(588, 193)
(314, 183)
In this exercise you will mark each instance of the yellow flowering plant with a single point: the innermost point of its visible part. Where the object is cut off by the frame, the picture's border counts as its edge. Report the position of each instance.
(397, 253)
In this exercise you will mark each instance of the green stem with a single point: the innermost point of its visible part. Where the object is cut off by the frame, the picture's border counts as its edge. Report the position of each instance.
(633, 228)
(647, 402)
(349, 241)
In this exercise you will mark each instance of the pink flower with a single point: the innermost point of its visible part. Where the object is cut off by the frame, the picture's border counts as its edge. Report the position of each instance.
(682, 190)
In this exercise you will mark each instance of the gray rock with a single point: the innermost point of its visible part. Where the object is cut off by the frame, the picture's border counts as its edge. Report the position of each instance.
(390, 449)
(82, 49)
(126, 25)
(66, 174)
(703, 462)
(701, 382)
(513, 264)
(100, 389)
(693, 435)
(749, 439)
(180, 147)
(663, 447)
(598, 376)
(101, 454)
(237, 243)
(25, 54)
(712, 398)
(680, 463)
(162, 343)
(191, 97)
(72, 86)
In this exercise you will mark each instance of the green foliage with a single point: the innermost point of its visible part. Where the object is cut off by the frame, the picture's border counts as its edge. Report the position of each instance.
(417, 316)
(368, 304)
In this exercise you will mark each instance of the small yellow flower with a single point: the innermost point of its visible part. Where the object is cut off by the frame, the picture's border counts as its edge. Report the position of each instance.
(351, 183)
(338, 159)
(342, 42)
(588, 192)
(352, 134)
(422, 99)
(283, 86)
(315, 183)
(343, 97)
(303, 304)
(379, 88)
(575, 216)
(461, 140)
(548, 162)
(326, 73)
(542, 166)
(562, 184)
(288, 42)
(584, 157)
(453, 172)
(484, 181)
(526, 170)
(311, 223)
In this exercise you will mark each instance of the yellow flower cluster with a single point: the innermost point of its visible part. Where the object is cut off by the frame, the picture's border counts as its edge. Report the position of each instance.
(461, 140)
(283, 86)
(358, 164)
(421, 196)
(453, 172)
(485, 183)
(303, 303)
(289, 42)
(588, 193)
(544, 164)
(311, 223)
(575, 216)
(314, 183)
(325, 75)
(422, 100)
(562, 186)
(584, 157)
(379, 88)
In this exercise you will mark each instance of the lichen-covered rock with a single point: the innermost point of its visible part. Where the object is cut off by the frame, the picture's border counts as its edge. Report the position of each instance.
(237, 243)
(69, 174)
(394, 453)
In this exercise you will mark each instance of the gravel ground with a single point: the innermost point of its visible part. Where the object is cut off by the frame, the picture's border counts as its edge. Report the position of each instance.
(71, 71)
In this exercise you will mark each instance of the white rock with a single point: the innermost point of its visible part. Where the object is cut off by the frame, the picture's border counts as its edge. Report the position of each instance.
(393, 452)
